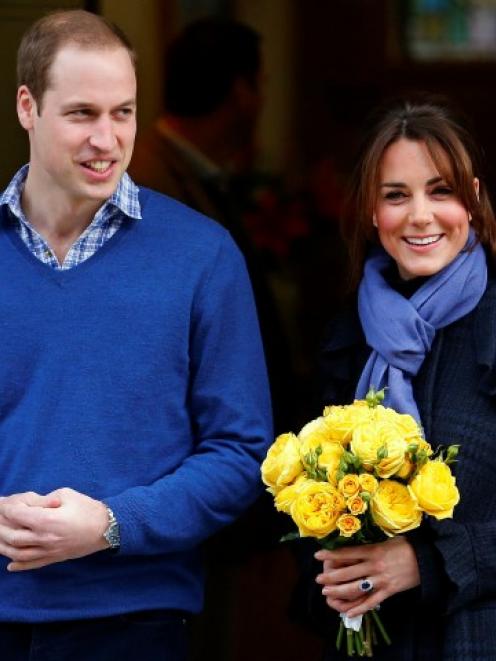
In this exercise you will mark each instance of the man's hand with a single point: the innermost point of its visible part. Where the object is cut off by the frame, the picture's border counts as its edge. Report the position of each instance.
(36, 531)
(391, 565)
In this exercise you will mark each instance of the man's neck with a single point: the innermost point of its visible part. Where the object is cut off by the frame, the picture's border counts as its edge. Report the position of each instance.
(59, 220)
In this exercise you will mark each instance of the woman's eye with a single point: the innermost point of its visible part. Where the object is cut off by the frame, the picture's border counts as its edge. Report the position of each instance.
(395, 195)
(442, 190)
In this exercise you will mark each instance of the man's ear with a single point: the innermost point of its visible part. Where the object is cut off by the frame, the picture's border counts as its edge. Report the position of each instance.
(26, 107)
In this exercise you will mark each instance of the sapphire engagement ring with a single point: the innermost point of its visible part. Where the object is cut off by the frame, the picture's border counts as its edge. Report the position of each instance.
(365, 585)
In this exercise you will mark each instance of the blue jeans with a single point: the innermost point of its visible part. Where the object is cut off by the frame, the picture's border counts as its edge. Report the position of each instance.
(148, 636)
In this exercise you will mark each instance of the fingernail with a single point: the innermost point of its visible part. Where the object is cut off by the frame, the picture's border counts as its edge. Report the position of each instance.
(319, 555)
(326, 591)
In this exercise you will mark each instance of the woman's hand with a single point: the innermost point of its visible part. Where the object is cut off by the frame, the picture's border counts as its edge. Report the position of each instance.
(391, 566)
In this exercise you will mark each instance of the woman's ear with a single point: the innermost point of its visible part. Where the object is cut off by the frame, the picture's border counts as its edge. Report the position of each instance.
(476, 188)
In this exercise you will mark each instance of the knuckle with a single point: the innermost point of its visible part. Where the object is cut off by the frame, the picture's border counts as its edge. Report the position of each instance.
(15, 541)
(17, 555)
(380, 565)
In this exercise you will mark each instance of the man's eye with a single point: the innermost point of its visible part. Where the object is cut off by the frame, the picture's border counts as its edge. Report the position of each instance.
(80, 112)
(124, 112)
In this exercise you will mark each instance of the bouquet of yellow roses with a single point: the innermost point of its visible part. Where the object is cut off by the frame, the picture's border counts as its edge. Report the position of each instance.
(359, 474)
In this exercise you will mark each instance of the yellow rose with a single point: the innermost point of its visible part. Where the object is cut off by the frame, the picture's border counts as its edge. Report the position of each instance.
(395, 460)
(405, 469)
(394, 509)
(423, 445)
(435, 490)
(282, 464)
(348, 525)
(356, 505)
(329, 459)
(371, 436)
(316, 508)
(368, 483)
(315, 433)
(406, 425)
(342, 420)
(285, 497)
(349, 485)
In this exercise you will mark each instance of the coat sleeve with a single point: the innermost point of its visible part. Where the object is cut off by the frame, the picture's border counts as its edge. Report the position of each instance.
(229, 406)
(457, 563)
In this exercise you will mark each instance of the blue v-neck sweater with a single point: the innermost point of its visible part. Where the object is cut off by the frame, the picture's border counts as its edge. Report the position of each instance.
(136, 378)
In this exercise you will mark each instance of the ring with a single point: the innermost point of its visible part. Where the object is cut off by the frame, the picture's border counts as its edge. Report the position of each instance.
(366, 585)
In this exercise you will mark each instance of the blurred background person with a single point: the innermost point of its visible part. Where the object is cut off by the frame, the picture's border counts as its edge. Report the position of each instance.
(198, 150)
(212, 102)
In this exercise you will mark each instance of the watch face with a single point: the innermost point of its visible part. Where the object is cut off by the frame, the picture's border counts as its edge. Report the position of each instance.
(112, 534)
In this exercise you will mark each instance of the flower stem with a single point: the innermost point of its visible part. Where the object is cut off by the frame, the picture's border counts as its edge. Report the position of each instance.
(380, 626)
(358, 643)
(367, 645)
(339, 639)
(350, 646)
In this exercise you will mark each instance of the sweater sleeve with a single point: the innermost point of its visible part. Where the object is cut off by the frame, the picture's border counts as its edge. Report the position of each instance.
(229, 406)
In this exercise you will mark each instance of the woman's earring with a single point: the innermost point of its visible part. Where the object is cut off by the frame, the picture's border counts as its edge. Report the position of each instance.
(374, 220)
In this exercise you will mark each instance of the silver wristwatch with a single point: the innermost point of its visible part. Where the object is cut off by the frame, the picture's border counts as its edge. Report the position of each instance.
(112, 534)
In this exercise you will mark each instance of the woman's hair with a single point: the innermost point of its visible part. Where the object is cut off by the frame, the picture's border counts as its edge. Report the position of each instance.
(453, 151)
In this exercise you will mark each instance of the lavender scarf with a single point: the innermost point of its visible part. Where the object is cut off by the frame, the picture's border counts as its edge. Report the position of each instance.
(401, 331)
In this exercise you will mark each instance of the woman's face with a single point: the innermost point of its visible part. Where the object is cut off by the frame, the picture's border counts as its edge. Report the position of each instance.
(421, 223)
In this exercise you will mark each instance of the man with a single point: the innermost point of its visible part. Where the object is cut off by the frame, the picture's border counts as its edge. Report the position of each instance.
(133, 396)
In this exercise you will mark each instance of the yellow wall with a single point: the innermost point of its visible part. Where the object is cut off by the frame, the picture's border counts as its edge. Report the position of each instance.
(148, 24)
(274, 21)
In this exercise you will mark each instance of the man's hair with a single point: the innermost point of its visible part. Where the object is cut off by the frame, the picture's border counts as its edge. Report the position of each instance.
(204, 61)
(47, 36)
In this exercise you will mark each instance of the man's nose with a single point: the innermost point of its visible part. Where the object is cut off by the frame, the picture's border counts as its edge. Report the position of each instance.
(103, 135)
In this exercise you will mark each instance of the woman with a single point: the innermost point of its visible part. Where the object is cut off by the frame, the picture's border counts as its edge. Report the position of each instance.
(423, 243)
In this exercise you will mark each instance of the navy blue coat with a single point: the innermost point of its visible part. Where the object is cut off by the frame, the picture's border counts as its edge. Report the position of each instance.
(452, 615)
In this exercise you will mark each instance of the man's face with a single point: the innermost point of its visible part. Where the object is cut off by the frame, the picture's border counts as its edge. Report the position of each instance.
(82, 140)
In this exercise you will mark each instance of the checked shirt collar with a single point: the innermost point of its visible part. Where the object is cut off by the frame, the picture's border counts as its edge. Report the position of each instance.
(124, 203)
